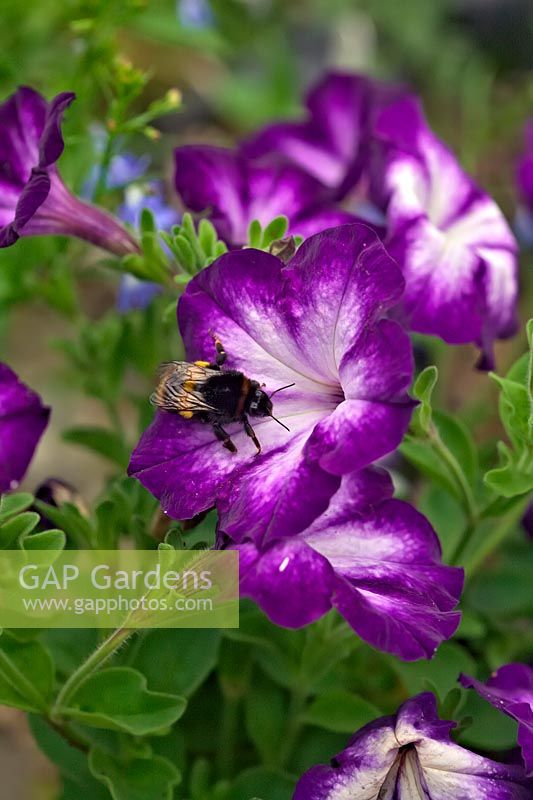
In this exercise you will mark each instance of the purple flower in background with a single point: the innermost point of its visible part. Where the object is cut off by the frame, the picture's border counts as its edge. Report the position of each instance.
(524, 172)
(451, 240)
(135, 293)
(411, 756)
(375, 559)
(124, 168)
(510, 689)
(333, 143)
(23, 418)
(150, 196)
(34, 200)
(316, 322)
(194, 13)
(234, 191)
(524, 181)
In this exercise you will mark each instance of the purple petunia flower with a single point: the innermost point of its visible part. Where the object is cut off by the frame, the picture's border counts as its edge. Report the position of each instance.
(234, 191)
(333, 143)
(451, 240)
(135, 293)
(124, 168)
(34, 199)
(316, 322)
(524, 180)
(23, 419)
(377, 560)
(510, 689)
(411, 756)
(524, 172)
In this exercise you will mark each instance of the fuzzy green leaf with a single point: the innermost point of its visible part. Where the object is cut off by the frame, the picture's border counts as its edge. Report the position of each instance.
(118, 699)
(340, 711)
(12, 504)
(135, 779)
(17, 527)
(100, 440)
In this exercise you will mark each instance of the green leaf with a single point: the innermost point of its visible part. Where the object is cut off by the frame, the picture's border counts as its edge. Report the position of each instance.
(176, 661)
(265, 714)
(70, 520)
(514, 475)
(72, 762)
(118, 699)
(207, 236)
(17, 527)
(47, 540)
(260, 782)
(274, 230)
(255, 234)
(490, 728)
(147, 222)
(185, 253)
(12, 504)
(26, 674)
(442, 671)
(340, 711)
(135, 779)
(427, 459)
(515, 410)
(100, 440)
(445, 514)
(423, 390)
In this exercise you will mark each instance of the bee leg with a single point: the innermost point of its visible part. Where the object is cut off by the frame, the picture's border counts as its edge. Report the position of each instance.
(251, 433)
(221, 355)
(224, 437)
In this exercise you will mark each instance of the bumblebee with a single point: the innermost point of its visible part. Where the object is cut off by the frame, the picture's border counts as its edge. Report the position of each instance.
(205, 392)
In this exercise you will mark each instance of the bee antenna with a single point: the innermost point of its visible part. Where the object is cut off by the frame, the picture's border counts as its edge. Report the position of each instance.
(279, 421)
(281, 388)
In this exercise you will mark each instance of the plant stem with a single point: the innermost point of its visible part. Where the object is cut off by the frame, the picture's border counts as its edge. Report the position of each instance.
(228, 735)
(101, 183)
(20, 683)
(294, 724)
(91, 665)
(494, 537)
(454, 467)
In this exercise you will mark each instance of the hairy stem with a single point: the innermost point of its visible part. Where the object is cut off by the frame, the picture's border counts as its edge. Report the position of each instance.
(90, 666)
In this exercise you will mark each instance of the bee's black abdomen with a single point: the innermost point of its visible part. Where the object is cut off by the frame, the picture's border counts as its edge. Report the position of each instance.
(226, 392)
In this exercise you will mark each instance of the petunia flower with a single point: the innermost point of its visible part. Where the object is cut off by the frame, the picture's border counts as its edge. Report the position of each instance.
(451, 240)
(375, 559)
(134, 292)
(510, 689)
(524, 181)
(34, 200)
(23, 418)
(333, 143)
(524, 171)
(233, 191)
(317, 322)
(411, 756)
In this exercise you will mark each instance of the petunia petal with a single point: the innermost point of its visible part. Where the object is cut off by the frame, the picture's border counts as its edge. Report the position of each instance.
(292, 583)
(451, 240)
(510, 689)
(379, 562)
(286, 326)
(357, 433)
(410, 756)
(235, 191)
(23, 419)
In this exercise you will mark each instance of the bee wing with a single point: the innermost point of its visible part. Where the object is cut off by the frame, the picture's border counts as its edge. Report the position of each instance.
(177, 389)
